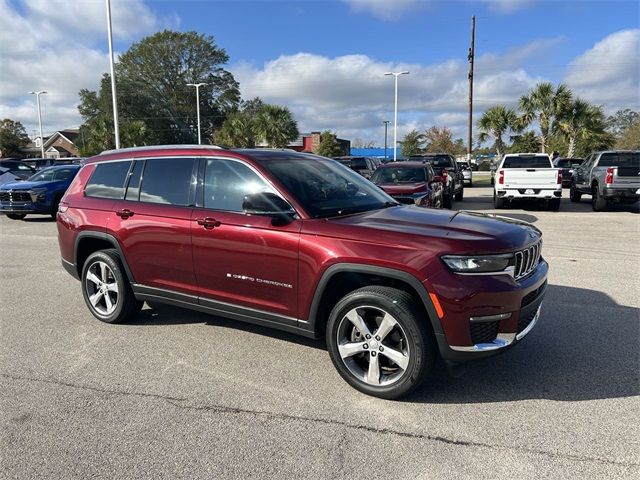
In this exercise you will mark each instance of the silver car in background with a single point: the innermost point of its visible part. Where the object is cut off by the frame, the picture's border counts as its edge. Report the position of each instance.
(467, 173)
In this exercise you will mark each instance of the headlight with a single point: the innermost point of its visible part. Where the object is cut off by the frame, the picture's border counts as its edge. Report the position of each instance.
(37, 194)
(478, 263)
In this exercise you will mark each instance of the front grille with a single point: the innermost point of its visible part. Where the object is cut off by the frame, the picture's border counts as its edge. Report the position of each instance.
(527, 260)
(15, 197)
(531, 296)
(484, 332)
(523, 322)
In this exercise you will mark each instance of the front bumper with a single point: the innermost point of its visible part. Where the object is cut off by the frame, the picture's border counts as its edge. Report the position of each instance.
(22, 208)
(517, 305)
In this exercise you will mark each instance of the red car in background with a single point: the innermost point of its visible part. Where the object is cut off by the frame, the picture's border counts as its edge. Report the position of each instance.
(411, 183)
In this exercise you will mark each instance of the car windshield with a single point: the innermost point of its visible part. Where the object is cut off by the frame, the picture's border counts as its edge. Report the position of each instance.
(622, 159)
(53, 174)
(355, 163)
(436, 161)
(326, 188)
(527, 161)
(398, 175)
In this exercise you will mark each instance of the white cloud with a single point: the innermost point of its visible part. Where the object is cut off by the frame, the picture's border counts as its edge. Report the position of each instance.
(59, 47)
(609, 72)
(386, 9)
(351, 95)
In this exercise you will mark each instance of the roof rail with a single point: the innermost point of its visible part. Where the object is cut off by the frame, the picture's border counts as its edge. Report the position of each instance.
(162, 147)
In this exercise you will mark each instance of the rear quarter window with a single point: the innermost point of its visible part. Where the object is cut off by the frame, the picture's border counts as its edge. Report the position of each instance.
(107, 180)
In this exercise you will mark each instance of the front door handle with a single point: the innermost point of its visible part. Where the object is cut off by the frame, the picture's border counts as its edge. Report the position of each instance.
(124, 213)
(208, 222)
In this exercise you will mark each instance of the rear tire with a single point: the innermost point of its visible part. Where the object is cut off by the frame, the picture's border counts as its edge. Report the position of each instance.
(597, 202)
(16, 216)
(106, 289)
(574, 194)
(553, 205)
(498, 202)
(380, 342)
(460, 195)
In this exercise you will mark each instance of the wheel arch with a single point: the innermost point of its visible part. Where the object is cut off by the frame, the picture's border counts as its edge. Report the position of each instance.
(88, 242)
(340, 279)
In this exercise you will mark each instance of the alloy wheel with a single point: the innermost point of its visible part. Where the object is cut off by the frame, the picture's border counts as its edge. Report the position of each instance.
(373, 345)
(102, 288)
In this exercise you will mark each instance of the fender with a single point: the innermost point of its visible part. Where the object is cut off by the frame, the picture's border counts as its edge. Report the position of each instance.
(374, 270)
(109, 238)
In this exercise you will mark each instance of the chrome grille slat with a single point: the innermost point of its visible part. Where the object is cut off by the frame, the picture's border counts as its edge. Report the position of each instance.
(526, 261)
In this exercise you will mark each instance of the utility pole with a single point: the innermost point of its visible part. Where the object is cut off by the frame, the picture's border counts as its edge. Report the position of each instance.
(37, 94)
(386, 125)
(197, 85)
(471, 55)
(113, 76)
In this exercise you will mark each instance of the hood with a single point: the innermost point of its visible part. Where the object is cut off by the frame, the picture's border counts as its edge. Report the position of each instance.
(24, 185)
(452, 231)
(404, 188)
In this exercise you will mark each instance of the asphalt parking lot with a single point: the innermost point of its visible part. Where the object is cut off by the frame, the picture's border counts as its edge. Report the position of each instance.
(179, 394)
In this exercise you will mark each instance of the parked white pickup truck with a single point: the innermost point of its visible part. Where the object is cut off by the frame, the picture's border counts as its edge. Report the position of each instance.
(527, 176)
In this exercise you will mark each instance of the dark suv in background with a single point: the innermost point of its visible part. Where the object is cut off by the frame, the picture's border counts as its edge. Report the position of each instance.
(446, 167)
(301, 243)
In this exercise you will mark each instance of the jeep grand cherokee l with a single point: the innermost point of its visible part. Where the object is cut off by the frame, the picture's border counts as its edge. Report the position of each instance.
(304, 244)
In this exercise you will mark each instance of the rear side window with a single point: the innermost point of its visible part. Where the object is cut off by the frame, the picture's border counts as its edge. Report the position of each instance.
(530, 161)
(107, 180)
(168, 181)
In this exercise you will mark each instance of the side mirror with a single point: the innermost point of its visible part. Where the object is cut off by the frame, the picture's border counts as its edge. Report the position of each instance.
(269, 205)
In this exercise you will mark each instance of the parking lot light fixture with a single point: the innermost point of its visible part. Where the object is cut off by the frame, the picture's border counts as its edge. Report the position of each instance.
(395, 111)
(37, 94)
(197, 85)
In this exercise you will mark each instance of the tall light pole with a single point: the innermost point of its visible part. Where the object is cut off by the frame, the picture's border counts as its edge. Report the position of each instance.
(113, 77)
(386, 125)
(197, 85)
(37, 94)
(395, 112)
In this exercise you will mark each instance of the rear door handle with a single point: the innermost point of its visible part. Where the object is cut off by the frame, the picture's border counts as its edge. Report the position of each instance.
(208, 222)
(124, 213)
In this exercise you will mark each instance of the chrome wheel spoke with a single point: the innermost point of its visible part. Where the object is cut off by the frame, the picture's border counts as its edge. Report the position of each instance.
(108, 302)
(373, 374)
(350, 349)
(112, 287)
(95, 298)
(358, 322)
(387, 324)
(103, 271)
(396, 357)
(93, 278)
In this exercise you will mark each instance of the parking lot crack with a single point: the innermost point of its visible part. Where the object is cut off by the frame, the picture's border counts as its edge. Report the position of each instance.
(188, 404)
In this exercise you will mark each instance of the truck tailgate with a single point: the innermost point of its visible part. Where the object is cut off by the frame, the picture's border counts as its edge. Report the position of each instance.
(531, 177)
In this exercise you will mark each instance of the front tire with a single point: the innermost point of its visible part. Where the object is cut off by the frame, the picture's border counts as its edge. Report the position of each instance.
(379, 342)
(16, 216)
(553, 205)
(574, 194)
(447, 198)
(106, 289)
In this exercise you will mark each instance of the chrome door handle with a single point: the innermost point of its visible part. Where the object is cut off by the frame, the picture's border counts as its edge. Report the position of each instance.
(124, 213)
(208, 222)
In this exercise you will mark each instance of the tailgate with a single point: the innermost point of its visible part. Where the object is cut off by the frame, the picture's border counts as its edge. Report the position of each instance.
(627, 177)
(530, 177)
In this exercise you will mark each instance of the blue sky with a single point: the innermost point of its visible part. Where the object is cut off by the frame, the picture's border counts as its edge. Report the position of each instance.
(325, 59)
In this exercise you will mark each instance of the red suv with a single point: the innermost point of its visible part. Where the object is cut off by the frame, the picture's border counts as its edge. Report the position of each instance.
(304, 244)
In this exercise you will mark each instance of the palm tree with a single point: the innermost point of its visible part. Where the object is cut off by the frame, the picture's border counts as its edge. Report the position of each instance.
(585, 124)
(545, 104)
(496, 122)
(236, 131)
(275, 125)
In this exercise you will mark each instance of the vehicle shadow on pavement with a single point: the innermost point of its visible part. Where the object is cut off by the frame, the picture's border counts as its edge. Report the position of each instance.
(585, 347)
(162, 314)
(43, 219)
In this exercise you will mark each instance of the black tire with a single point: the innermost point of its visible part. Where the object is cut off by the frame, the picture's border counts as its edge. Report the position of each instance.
(498, 202)
(460, 195)
(471, 184)
(411, 331)
(574, 194)
(447, 199)
(492, 181)
(54, 206)
(597, 202)
(16, 216)
(126, 306)
(553, 205)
